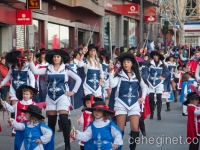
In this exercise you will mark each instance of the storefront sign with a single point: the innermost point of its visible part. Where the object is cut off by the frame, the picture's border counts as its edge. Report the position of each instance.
(33, 4)
(123, 9)
(150, 19)
(130, 9)
(24, 17)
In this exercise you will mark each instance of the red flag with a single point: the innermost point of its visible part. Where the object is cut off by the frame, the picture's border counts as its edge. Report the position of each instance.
(55, 43)
(147, 110)
(139, 59)
(0, 128)
(42, 45)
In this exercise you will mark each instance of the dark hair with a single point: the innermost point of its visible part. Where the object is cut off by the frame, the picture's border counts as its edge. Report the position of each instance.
(75, 54)
(17, 65)
(113, 47)
(117, 52)
(106, 116)
(179, 66)
(40, 60)
(79, 49)
(101, 59)
(134, 68)
(121, 49)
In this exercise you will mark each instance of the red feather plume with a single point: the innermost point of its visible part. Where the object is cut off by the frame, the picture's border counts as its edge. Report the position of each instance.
(55, 43)
(42, 45)
(99, 44)
(21, 50)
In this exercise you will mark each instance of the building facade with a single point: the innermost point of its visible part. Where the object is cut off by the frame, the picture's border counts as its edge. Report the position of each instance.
(73, 22)
(191, 26)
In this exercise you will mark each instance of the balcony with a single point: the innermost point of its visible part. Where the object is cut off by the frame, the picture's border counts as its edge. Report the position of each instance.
(97, 6)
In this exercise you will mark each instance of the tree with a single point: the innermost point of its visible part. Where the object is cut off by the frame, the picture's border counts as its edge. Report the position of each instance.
(181, 11)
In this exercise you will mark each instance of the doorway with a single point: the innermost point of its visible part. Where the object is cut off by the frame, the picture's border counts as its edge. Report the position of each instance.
(80, 38)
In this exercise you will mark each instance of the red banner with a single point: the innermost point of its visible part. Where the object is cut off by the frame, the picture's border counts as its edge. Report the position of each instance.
(150, 19)
(123, 9)
(130, 9)
(33, 4)
(24, 17)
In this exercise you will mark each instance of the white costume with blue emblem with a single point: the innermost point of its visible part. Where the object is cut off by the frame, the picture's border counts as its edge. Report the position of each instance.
(92, 79)
(33, 132)
(156, 84)
(56, 98)
(100, 135)
(172, 67)
(126, 95)
(19, 78)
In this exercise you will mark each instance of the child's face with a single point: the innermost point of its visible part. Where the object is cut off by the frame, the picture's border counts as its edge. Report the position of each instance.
(146, 58)
(87, 103)
(194, 101)
(184, 69)
(27, 95)
(27, 115)
(98, 114)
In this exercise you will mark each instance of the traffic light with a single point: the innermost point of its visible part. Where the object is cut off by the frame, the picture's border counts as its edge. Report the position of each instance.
(165, 27)
(107, 29)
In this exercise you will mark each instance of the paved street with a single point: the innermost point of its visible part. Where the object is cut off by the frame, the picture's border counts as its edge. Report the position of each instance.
(173, 124)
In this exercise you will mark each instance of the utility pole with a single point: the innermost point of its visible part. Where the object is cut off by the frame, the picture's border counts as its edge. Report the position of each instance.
(141, 23)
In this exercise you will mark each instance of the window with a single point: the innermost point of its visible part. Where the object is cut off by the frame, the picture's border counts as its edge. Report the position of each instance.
(191, 40)
(62, 33)
(191, 4)
(164, 16)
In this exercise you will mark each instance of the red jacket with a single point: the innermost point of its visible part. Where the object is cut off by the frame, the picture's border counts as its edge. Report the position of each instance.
(4, 71)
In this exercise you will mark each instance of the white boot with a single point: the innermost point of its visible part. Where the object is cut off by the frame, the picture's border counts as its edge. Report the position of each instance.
(185, 113)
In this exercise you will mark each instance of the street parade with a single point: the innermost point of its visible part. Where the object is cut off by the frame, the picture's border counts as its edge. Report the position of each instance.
(99, 75)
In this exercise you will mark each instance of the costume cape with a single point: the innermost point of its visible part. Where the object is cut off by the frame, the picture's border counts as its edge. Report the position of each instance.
(80, 93)
(19, 138)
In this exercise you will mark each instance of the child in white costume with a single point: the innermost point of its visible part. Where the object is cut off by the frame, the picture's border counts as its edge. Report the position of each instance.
(37, 135)
(102, 133)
